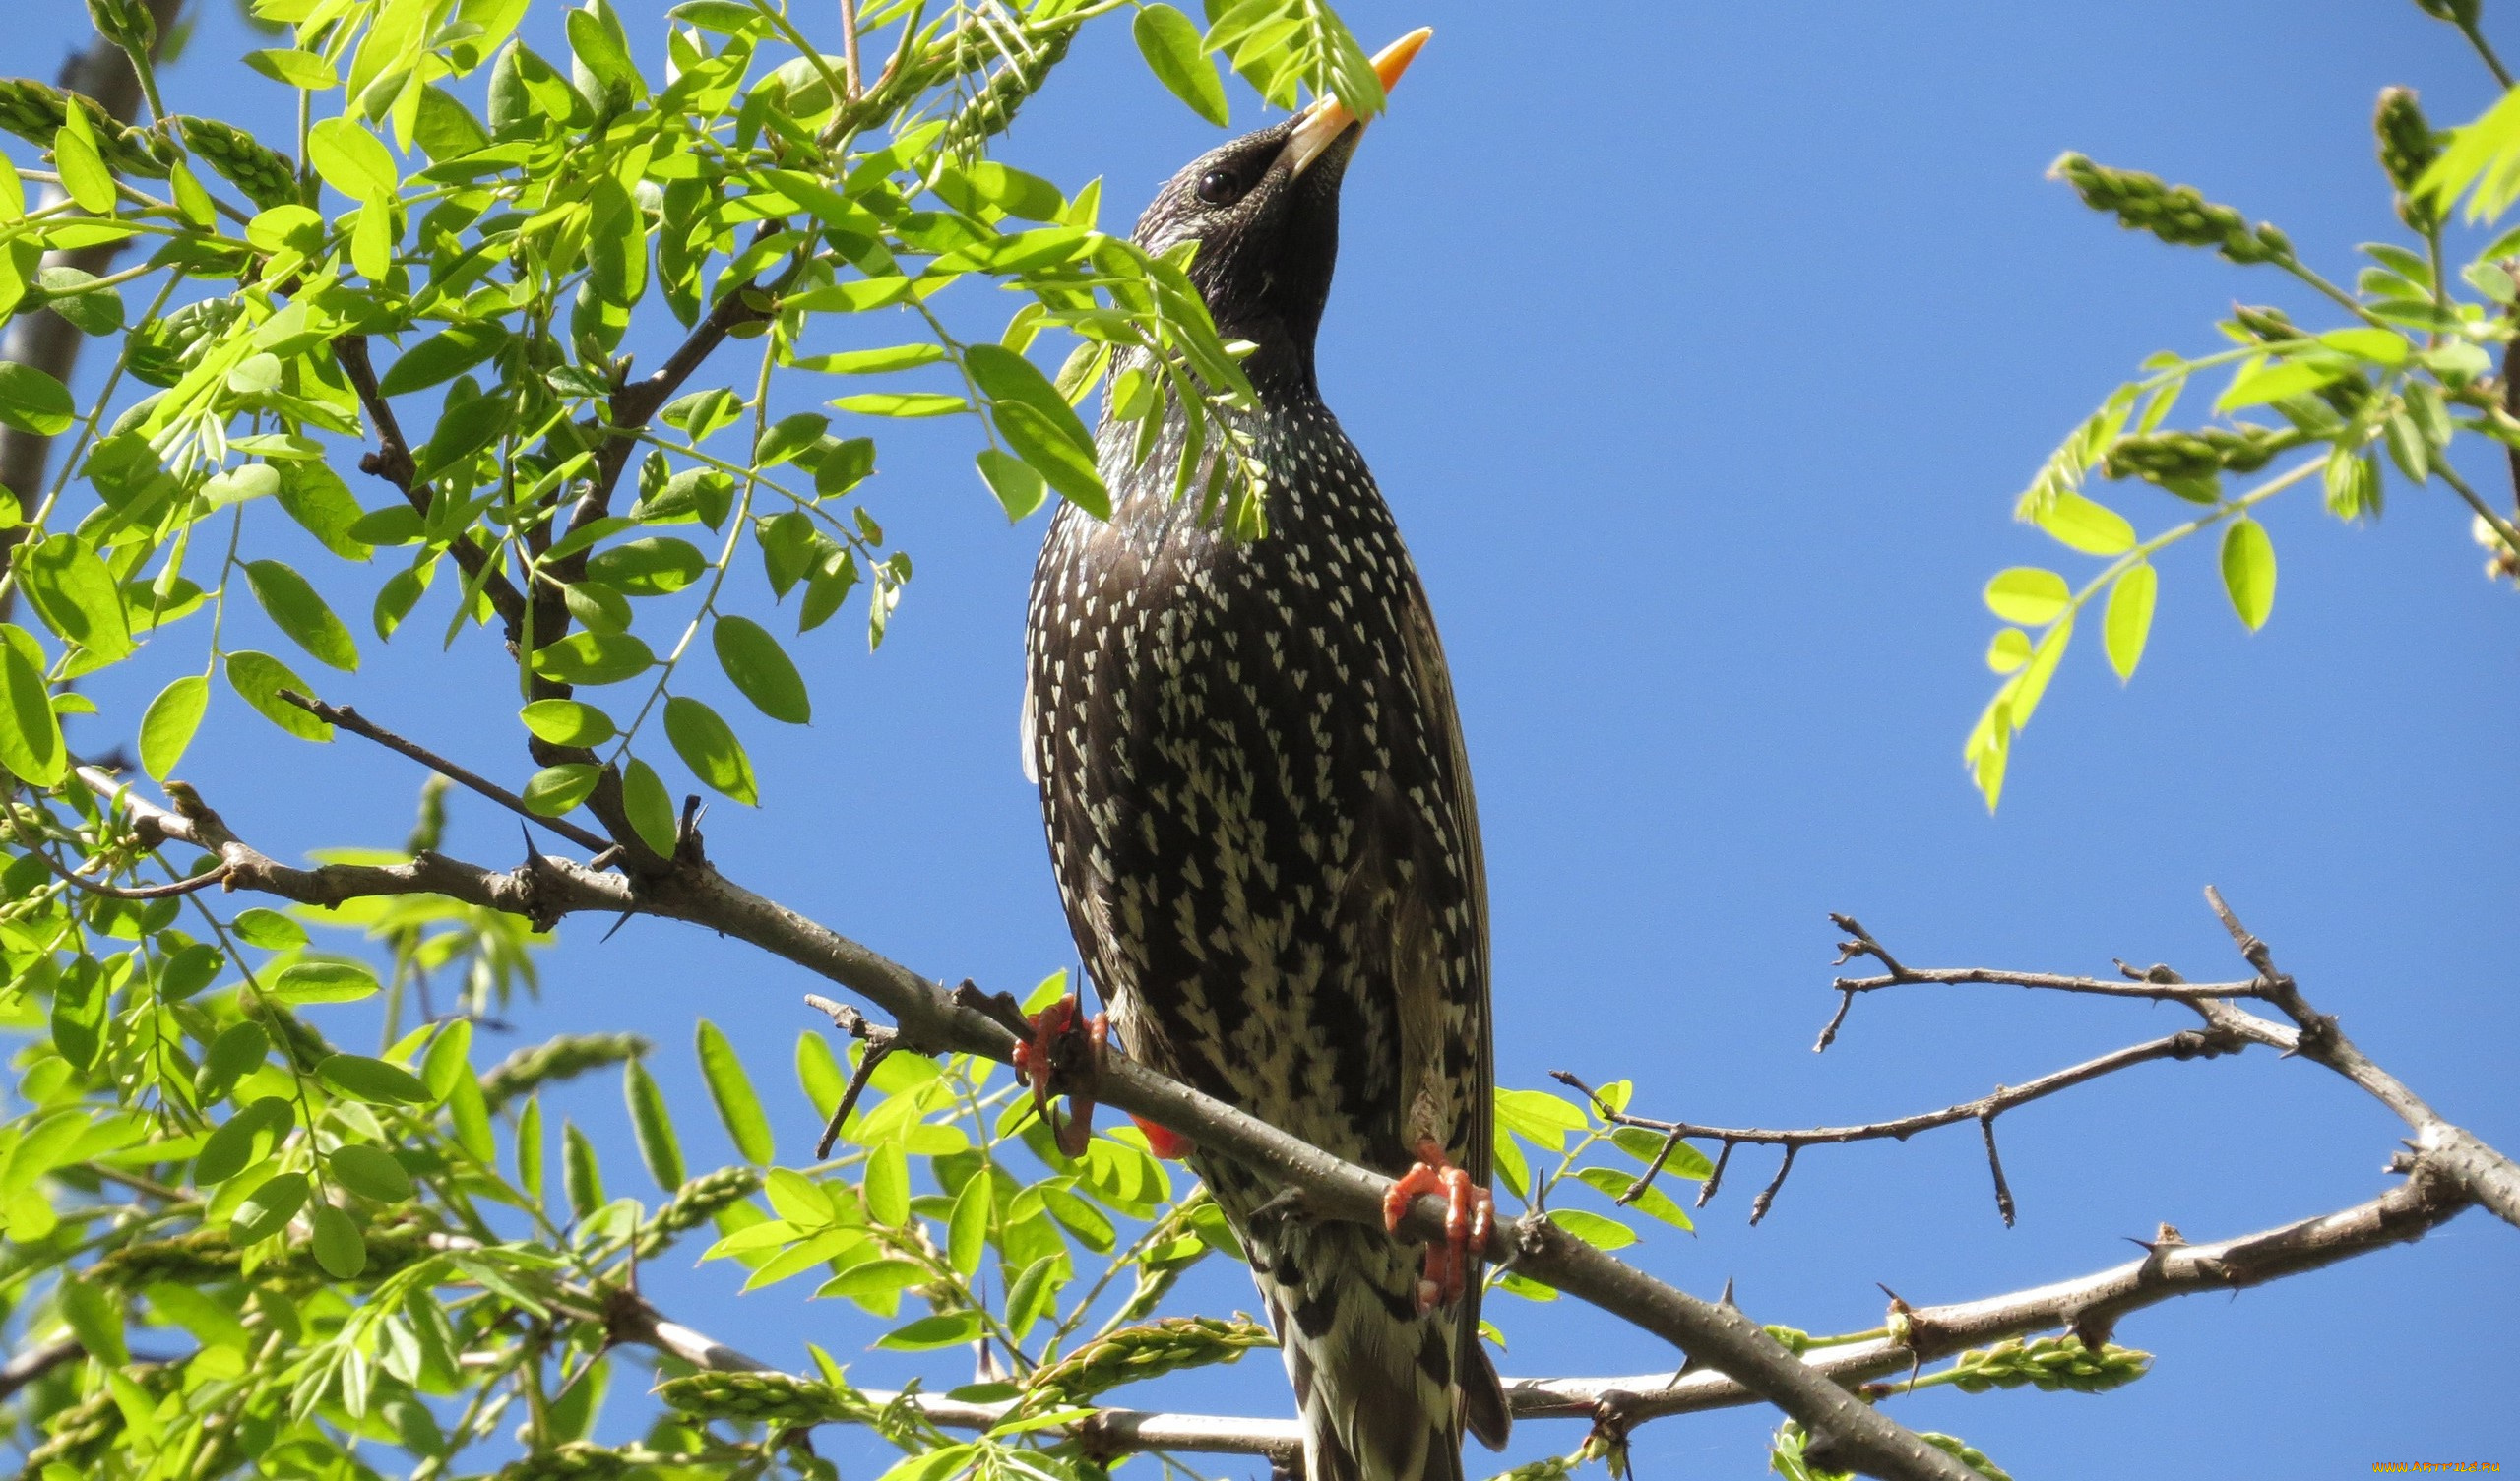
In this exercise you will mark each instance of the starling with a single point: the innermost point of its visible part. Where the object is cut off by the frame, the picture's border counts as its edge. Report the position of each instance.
(1260, 814)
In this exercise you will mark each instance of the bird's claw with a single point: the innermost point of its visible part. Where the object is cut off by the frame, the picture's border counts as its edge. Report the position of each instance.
(1470, 1215)
(1064, 1053)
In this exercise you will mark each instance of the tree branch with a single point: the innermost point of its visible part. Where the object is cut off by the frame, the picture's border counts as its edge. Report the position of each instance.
(392, 462)
(544, 890)
(45, 341)
(2091, 1304)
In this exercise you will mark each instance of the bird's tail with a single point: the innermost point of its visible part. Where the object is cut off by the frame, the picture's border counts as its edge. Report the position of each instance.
(1384, 1392)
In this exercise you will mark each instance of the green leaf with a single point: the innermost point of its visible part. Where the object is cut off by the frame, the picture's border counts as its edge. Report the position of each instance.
(875, 1277)
(443, 356)
(268, 929)
(2087, 526)
(33, 402)
(790, 436)
(1170, 41)
(945, 1329)
(353, 160)
(2248, 571)
(370, 1172)
(74, 594)
(1593, 1229)
(450, 1058)
(888, 1185)
(258, 679)
(95, 1319)
(1065, 467)
(338, 1245)
(373, 1081)
(601, 609)
(2008, 651)
(267, 1210)
(650, 806)
(657, 566)
(594, 658)
(595, 40)
(761, 670)
(709, 747)
(83, 171)
(901, 404)
(237, 1051)
(2028, 595)
(230, 1149)
(876, 361)
(966, 1229)
(2274, 380)
(306, 982)
(557, 790)
(653, 1125)
(31, 744)
(1019, 489)
(580, 1173)
(529, 1149)
(317, 499)
(737, 1106)
(568, 722)
(2129, 618)
(302, 69)
(295, 609)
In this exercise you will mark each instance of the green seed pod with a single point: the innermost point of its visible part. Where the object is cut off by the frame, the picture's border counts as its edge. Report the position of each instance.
(125, 22)
(200, 1257)
(267, 176)
(562, 1058)
(776, 1397)
(2408, 146)
(77, 1436)
(2172, 457)
(2175, 213)
(1142, 1352)
(575, 1460)
(695, 1204)
(991, 109)
(1966, 1454)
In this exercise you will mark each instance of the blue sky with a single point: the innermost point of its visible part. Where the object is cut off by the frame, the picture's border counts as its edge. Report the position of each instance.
(1701, 350)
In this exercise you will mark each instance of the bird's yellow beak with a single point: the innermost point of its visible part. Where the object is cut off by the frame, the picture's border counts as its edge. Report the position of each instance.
(1328, 118)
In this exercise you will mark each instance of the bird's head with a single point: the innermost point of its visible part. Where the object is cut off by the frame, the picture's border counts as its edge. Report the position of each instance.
(1264, 210)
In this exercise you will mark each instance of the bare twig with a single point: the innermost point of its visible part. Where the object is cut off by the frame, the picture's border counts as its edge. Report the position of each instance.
(36, 1362)
(849, 47)
(359, 724)
(880, 1043)
(1861, 944)
(2187, 1044)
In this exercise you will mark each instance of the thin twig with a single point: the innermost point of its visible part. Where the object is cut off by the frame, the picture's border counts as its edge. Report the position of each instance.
(1767, 1195)
(2186, 1044)
(359, 724)
(880, 1043)
(849, 47)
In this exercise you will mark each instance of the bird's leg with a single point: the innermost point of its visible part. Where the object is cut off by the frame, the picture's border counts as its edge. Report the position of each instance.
(1470, 1215)
(1064, 1042)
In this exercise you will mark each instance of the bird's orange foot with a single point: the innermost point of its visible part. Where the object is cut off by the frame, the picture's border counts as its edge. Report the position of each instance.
(1066, 1047)
(1469, 1214)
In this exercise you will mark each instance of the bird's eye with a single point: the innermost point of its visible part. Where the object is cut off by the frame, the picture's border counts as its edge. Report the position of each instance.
(1218, 187)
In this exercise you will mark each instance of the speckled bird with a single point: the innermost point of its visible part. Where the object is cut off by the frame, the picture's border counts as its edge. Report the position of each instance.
(1260, 813)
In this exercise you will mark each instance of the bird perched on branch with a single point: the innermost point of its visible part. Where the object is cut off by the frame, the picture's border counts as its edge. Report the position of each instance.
(1260, 811)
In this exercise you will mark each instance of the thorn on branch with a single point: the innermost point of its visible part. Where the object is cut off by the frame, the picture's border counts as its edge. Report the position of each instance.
(687, 846)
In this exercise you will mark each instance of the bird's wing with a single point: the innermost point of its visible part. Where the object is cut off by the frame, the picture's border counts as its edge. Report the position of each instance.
(1483, 1392)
